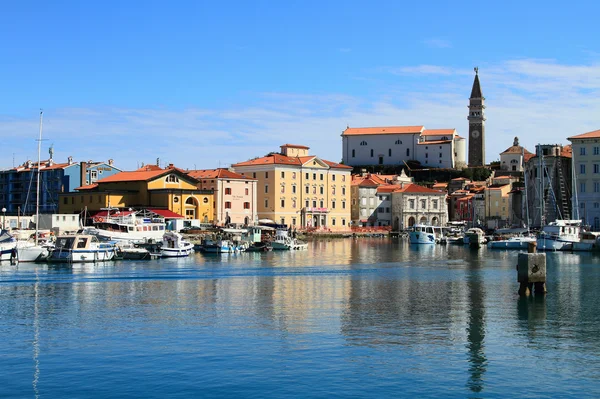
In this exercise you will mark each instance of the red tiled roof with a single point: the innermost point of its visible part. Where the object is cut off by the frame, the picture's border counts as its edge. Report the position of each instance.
(145, 173)
(415, 188)
(388, 188)
(167, 214)
(147, 168)
(218, 173)
(88, 187)
(278, 159)
(589, 135)
(438, 132)
(356, 131)
(515, 149)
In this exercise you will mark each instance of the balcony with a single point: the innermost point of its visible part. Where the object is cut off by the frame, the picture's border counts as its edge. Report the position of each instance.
(315, 210)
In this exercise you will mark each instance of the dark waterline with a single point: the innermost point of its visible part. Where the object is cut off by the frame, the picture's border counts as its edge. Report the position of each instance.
(347, 318)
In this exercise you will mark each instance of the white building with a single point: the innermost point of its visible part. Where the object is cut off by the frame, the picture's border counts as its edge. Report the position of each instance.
(412, 204)
(514, 157)
(586, 164)
(394, 145)
(60, 223)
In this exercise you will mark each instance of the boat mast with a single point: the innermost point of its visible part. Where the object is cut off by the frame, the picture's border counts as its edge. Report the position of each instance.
(574, 199)
(525, 183)
(37, 191)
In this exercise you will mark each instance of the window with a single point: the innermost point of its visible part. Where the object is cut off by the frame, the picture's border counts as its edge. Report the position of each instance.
(172, 179)
(582, 187)
(596, 150)
(293, 175)
(314, 204)
(408, 152)
(246, 191)
(333, 221)
(440, 154)
(266, 188)
(596, 168)
(266, 203)
(306, 204)
(294, 189)
(390, 152)
(411, 203)
(582, 169)
(321, 176)
(282, 188)
(294, 204)
(283, 175)
(343, 222)
(65, 200)
(227, 191)
(596, 187)
(321, 204)
(266, 175)
(343, 204)
(398, 142)
(293, 221)
(227, 205)
(283, 203)
(582, 151)
(307, 189)
(434, 204)
(363, 143)
(423, 204)
(343, 177)
(93, 174)
(321, 190)
(332, 204)
(307, 175)
(332, 177)
(353, 153)
(314, 189)
(333, 190)
(246, 205)
(253, 175)
(343, 190)
(314, 176)
(596, 205)
(372, 152)
(426, 155)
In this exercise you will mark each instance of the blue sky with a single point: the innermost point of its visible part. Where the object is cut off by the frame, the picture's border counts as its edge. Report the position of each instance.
(205, 84)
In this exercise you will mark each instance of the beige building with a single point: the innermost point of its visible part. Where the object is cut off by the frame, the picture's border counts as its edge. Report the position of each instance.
(300, 190)
(413, 204)
(497, 205)
(234, 195)
(514, 157)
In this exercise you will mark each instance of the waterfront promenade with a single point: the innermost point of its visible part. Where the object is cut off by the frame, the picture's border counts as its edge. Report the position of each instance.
(365, 317)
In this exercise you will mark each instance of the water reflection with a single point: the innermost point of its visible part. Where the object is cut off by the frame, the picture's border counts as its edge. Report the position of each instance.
(476, 328)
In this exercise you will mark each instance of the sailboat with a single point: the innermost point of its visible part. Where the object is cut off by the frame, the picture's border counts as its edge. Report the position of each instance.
(34, 251)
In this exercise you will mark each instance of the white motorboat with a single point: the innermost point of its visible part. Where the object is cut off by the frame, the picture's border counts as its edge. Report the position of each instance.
(174, 246)
(8, 246)
(79, 248)
(474, 237)
(515, 242)
(219, 246)
(559, 235)
(282, 241)
(132, 226)
(424, 234)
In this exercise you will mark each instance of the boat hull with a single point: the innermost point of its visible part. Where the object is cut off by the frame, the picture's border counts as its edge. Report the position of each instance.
(34, 253)
(419, 237)
(554, 244)
(511, 244)
(81, 256)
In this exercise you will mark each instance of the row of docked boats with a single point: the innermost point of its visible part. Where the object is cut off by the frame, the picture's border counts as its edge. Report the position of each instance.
(560, 235)
(260, 238)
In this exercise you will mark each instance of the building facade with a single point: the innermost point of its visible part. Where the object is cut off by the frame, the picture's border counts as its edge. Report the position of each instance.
(476, 124)
(514, 157)
(18, 185)
(395, 145)
(412, 204)
(149, 187)
(234, 195)
(300, 190)
(586, 164)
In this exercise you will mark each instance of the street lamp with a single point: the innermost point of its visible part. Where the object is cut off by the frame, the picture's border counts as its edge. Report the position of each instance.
(3, 217)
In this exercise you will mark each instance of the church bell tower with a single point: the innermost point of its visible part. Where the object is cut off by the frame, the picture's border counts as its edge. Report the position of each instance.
(476, 124)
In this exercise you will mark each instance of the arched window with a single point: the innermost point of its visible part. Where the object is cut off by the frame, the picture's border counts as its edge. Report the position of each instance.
(363, 143)
(398, 142)
(190, 201)
(172, 179)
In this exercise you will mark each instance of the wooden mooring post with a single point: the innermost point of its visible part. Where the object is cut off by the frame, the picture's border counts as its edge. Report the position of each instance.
(531, 271)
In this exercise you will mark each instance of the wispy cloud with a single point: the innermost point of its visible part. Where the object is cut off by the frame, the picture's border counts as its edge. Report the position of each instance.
(536, 100)
(437, 43)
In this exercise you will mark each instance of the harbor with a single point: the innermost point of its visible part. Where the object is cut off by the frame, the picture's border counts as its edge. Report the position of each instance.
(404, 320)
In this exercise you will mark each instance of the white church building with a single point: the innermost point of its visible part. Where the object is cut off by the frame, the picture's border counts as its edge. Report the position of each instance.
(394, 145)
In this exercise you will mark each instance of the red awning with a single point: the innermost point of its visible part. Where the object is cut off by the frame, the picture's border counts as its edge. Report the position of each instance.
(167, 214)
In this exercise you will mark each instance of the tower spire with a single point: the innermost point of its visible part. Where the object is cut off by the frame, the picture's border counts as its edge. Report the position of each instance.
(476, 91)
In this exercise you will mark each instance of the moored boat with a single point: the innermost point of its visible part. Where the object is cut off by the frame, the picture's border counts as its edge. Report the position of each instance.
(559, 235)
(474, 237)
(425, 234)
(515, 242)
(175, 246)
(80, 248)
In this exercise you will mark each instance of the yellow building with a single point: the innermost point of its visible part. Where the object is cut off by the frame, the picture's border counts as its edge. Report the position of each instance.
(148, 187)
(497, 204)
(300, 190)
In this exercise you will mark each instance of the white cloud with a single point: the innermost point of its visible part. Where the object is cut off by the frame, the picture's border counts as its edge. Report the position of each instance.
(540, 101)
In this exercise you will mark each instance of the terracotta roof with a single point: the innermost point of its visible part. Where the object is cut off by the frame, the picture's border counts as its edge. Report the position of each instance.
(142, 175)
(567, 151)
(43, 167)
(388, 188)
(296, 146)
(88, 187)
(440, 185)
(356, 131)
(589, 135)
(369, 180)
(415, 188)
(528, 156)
(434, 142)
(515, 149)
(278, 159)
(460, 178)
(438, 132)
(148, 168)
(219, 173)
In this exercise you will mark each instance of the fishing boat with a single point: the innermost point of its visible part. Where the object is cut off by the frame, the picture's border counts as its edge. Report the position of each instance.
(80, 248)
(425, 234)
(175, 246)
(559, 235)
(283, 241)
(219, 246)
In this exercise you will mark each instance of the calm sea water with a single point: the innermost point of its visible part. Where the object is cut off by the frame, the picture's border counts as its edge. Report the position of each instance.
(347, 318)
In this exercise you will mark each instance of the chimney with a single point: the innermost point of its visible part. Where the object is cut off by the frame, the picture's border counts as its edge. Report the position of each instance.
(70, 160)
(83, 173)
(111, 162)
(171, 166)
